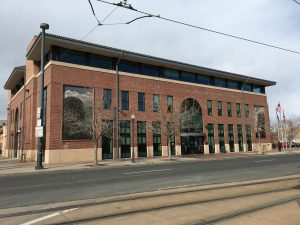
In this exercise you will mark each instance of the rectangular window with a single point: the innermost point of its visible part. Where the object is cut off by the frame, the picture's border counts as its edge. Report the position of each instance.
(149, 70)
(259, 121)
(220, 111)
(231, 137)
(238, 109)
(221, 138)
(155, 103)
(189, 77)
(125, 100)
(229, 110)
(170, 103)
(257, 89)
(233, 84)
(246, 110)
(219, 82)
(141, 139)
(129, 67)
(125, 139)
(209, 108)
(171, 74)
(248, 137)
(211, 140)
(77, 114)
(100, 62)
(203, 79)
(156, 132)
(72, 56)
(141, 101)
(106, 98)
(240, 137)
(247, 87)
(107, 139)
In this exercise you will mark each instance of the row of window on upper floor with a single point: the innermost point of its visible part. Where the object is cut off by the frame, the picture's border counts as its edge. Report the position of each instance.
(229, 109)
(83, 58)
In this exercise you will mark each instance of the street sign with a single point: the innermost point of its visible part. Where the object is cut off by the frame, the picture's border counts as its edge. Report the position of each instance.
(39, 132)
(38, 113)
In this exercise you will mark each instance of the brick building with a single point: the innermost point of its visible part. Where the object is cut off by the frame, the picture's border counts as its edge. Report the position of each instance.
(216, 111)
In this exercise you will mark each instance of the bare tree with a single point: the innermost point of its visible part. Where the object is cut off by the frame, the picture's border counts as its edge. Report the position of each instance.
(92, 123)
(292, 125)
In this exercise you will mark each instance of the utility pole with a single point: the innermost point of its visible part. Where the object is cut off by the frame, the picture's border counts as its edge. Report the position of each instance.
(39, 160)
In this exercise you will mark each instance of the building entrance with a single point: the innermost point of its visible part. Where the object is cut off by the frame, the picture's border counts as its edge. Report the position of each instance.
(192, 144)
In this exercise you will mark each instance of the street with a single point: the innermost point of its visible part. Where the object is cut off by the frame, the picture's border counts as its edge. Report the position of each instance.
(52, 187)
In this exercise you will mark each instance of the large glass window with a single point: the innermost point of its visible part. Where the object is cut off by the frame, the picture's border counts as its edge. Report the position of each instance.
(240, 137)
(219, 82)
(125, 139)
(129, 67)
(189, 77)
(106, 98)
(170, 103)
(221, 138)
(220, 111)
(238, 109)
(149, 70)
(171, 74)
(77, 117)
(259, 121)
(100, 61)
(232, 84)
(72, 56)
(125, 100)
(141, 101)
(209, 108)
(247, 87)
(203, 79)
(156, 132)
(211, 139)
(229, 109)
(107, 139)
(155, 103)
(141, 139)
(257, 89)
(231, 137)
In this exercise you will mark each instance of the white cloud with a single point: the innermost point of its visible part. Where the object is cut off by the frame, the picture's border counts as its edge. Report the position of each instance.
(274, 22)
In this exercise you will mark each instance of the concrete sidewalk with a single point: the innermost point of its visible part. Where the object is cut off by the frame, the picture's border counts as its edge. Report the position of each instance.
(13, 166)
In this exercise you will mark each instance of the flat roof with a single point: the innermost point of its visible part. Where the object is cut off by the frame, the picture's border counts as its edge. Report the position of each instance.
(16, 75)
(33, 53)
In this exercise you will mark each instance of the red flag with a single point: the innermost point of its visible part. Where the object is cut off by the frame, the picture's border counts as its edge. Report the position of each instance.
(278, 108)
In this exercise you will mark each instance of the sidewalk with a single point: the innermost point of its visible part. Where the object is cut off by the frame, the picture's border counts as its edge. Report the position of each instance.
(13, 166)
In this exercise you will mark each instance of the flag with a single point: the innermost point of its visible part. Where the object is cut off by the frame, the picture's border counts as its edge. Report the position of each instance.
(278, 108)
(283, 116)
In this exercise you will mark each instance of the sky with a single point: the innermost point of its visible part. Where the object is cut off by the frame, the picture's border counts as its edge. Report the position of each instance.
(273, 22)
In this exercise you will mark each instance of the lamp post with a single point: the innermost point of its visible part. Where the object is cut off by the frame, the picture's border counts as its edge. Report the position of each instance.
(39, 160)
(132, 146)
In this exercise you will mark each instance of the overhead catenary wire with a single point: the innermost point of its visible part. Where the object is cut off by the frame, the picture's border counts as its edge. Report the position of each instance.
(296, 2)
(129, 7)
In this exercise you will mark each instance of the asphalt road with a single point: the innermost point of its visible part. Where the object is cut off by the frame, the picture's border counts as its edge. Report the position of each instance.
(58, 186)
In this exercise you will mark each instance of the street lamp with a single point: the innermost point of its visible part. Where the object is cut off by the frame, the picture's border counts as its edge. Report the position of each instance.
(245, 144)
(132, 148)
(39, 160)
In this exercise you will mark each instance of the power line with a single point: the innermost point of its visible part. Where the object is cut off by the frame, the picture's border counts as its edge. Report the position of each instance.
(94, 12)
(296, 2)
(127, 6)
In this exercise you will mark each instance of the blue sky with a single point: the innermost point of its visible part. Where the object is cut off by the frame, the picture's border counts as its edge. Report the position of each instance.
(273, 22)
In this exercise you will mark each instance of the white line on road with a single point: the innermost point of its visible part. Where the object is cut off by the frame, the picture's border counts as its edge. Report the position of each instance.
(148, 171)
(47, 217)
(266, 160)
